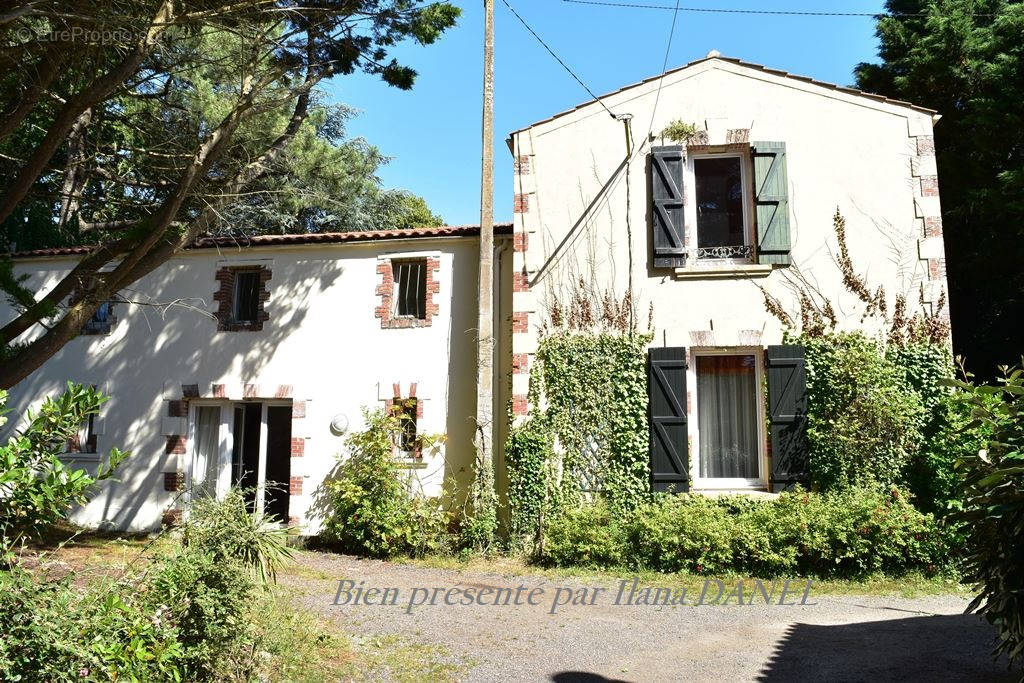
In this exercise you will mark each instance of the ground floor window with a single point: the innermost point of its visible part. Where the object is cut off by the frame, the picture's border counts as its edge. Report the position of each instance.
(729, 417)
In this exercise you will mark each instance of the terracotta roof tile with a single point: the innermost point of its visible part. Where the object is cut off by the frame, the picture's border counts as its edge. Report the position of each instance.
(300, 238)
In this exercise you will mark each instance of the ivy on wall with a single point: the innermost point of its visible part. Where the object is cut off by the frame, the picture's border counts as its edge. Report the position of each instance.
(586, 435)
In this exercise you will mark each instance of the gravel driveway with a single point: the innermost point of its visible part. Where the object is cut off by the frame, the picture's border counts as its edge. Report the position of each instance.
(840, 638)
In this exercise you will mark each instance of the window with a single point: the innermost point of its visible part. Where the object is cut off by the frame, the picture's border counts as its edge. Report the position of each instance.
(84, 441)
(728, 417)
(206, 450)
(246, 300)
(410, 288)
(102, 320)
(241, 298)
(720, 186)
(407, 440)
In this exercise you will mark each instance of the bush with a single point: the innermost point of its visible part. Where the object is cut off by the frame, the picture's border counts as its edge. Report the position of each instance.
(371, 507)
(864, 419)
(36, 488)
(226, 530)
(209, 599)
(54, 633)
(993, 513)
(587, 536)
(853, 533)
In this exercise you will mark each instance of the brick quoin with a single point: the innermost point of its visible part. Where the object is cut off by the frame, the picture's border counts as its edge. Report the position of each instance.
(520, 241)
(190, 391)
(298, 409)
(936, 268)
(519, 404)
(925, 145)
(219, 391)
(520, 282)
(929, 186)
(295, 486)
(520, 321)
(174, 481)
(298, 448)
(521, 203)
(521, 165)
(933, 226)
(520, 363)
(175, 444)
(177, 409)
(171, 518)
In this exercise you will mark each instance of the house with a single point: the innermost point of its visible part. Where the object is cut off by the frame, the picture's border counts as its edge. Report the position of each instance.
(244, 363)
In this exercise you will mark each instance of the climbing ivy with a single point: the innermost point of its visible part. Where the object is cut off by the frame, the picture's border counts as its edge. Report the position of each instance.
(586, 435)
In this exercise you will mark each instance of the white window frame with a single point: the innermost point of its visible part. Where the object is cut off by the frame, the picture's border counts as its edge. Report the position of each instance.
(728, 483)
(690, 208)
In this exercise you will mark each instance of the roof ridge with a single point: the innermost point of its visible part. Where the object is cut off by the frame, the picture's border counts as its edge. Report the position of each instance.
(739, 62)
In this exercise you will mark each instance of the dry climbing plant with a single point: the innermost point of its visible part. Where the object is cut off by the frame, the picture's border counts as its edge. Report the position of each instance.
(817, 315)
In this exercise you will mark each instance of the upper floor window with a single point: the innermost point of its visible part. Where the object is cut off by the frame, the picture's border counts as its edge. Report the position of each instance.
(410, 288)
(102, 321)
(241, 298)
(722, 220)
(246, 305)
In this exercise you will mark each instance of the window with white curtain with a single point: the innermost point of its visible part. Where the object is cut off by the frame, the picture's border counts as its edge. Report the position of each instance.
(206, 451)
(727, 415)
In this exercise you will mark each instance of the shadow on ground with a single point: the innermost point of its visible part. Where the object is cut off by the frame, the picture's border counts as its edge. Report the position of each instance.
(921, 648)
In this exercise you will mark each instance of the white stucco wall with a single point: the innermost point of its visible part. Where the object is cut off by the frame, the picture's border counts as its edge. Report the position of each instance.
(843, 151)
(322, 339)
(873, 160)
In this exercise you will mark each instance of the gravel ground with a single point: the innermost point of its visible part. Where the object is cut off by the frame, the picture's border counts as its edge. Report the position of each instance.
(841, 638)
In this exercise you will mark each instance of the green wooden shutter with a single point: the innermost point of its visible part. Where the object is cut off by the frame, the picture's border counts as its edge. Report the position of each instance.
(666, 392)
(787, 399)
(667, 165)
(771, 192)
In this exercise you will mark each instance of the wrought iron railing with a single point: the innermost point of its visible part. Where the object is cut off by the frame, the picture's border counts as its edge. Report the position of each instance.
(744, 251)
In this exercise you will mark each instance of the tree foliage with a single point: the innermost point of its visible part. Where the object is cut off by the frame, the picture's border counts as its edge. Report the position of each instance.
(965, 58)
(137, 125)
(36, 488)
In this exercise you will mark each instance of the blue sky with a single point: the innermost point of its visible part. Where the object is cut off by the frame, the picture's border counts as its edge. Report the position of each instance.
(432, 132)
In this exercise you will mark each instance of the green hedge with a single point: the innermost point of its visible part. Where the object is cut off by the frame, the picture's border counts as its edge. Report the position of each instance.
(853, 533)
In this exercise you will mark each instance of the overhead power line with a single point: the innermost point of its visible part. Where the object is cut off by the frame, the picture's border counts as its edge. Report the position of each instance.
(557, 58)
(790, 13)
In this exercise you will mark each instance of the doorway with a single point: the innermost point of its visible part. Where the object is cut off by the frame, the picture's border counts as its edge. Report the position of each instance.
(246, 445)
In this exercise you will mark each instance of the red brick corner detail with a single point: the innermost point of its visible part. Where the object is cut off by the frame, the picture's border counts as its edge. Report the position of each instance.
(224, 296)
(386, 292)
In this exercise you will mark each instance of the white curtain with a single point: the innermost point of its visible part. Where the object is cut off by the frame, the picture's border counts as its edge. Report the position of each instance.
(204, 463)
(727, 416)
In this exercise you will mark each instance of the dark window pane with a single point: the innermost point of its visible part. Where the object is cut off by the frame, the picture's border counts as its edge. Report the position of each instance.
(727, 416)
(719, 187)
(410, 288)
(407, 419)
(247, 285)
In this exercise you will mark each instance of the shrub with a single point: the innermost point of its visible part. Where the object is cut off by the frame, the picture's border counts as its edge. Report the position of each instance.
(863, 417)
(586, 536)
(226, 530)
(208, 597)
(54, 633)
(853, 533)
(681, 533)
(993, 512)
(36, 488)
(372, 508)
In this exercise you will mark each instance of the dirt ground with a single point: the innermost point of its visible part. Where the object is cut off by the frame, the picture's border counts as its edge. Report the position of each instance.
(820, 638)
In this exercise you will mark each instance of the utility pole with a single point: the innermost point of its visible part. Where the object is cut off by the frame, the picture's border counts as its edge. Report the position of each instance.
(485, 321)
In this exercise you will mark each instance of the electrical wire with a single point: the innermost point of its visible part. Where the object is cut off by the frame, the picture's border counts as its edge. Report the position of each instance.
(790, 13)
(664, 68)
(557, 58)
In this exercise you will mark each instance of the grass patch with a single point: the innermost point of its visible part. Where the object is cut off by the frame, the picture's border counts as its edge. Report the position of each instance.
(909, 586)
